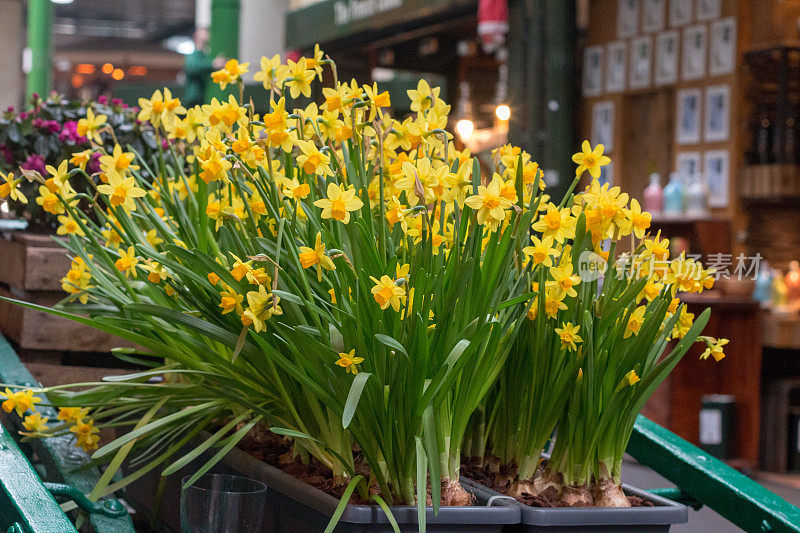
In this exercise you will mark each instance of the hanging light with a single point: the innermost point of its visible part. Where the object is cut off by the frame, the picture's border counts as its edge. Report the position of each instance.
(502, 112)
(465, 128)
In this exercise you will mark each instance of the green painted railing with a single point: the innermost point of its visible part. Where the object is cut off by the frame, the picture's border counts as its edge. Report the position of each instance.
(63, 463)
(703, 479)
(28, 505)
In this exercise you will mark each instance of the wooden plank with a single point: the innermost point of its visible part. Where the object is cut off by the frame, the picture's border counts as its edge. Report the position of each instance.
(32, 262)
(36, 330)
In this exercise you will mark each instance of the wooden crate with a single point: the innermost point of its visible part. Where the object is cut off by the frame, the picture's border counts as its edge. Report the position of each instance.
(31, 268)
(32, 262)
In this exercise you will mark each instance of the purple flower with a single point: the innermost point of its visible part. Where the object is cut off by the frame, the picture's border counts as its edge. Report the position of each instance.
(69, 133)
(34, 162)
(37, 123)
(117, 102)
(102, 99)
(52, 126)
(24, 115)
(7, 154)
(94, 163)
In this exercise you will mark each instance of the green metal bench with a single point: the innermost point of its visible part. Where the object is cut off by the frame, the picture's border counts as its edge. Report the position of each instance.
(27, 501)
(705, 480)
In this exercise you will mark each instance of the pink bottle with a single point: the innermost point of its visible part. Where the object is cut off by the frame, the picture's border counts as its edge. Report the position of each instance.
(654, 194)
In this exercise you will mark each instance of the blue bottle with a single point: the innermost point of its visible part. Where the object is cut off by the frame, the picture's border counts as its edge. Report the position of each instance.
(674, 195)
(761, 292)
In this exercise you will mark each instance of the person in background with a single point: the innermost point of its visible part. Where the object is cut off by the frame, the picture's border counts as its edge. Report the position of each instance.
(197, 69)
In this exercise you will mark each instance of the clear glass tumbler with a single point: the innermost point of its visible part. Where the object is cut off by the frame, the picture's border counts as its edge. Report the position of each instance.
(219, 503)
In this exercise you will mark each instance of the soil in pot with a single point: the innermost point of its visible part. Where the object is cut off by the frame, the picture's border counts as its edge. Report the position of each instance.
(502, 480)
(277, 451)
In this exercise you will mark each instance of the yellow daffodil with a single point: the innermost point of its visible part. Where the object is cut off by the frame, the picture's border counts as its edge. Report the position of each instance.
(87, 434)
(20, 401)
(339, 203)
(556, 223)
(72, 414)
(489, 204)
(635, 322)
(118, 160)
(313, 160)
(90, 126)
(386, 292)
(591, 160)
(261, 306)
(541, 252)
(299, 78)
(348, 361)
(68, 226)
(564, 280)
(714, 349)
(121, 190)
(127, 261)
(569, 336)
(631, 378)
(269, 75)
(80, 159)
(230, 301)
(35, 423)
(230, 73)
(316, 256)
(8, 188)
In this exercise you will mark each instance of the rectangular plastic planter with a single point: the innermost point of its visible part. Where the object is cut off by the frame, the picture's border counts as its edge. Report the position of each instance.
(658, 518)
(294, 506)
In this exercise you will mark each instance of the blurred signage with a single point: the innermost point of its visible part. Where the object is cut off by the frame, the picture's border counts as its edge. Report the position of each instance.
(347, 11)
(329, 20)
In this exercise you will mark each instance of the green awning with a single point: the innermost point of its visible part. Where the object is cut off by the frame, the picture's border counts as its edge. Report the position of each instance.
(329, 20)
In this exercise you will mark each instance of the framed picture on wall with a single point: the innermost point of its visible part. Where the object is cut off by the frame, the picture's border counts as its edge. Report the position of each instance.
(722, 52)
(593, 71)
(695, 45)
(687, 130)
(653, 15)
(641, 62)
(716, 167)
(708, 9)
(666, 69)
(680, 13)
(603, 125)
(627, 18)
(616, 65)
(687, 164)
(716, 125)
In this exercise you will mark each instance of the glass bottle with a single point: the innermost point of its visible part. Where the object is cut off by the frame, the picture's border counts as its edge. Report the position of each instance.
(696, 196)
(673, 195)
(654, 195)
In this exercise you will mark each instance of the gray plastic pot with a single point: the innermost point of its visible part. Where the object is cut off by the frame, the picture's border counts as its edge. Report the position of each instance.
(658, 518)
(296, 507)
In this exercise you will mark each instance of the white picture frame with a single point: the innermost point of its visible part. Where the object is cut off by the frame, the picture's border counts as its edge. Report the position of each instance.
(641, 65)
(653, 15)
(688, 117)
(708, 9)
(695, 50)
(722, 49)
(616, 66)
(592, 71)
(716, 169)
(603, 125)
(680, 13)
(666, 62)
(627, 18)
(687, 165)
(716, 124)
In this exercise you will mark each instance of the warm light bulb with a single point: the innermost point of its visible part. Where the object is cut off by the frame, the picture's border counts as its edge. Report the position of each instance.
(502, 112)
(465, 127)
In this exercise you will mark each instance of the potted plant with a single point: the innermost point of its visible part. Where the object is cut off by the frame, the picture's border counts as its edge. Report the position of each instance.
(44, 139)
(346, 280)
